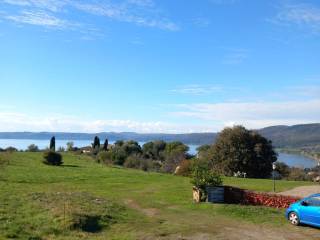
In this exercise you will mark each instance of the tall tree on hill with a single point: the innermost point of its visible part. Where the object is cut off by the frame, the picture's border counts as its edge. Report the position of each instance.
(105, 145)
(52, 146)
(96, 145)
(238, 149)
(174, 153)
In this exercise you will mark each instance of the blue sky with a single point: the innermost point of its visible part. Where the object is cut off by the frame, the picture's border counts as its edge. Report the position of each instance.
(158, 65)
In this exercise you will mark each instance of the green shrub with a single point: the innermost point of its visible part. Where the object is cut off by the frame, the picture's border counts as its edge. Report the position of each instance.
(136, 161)
(33, 148)
(11, 149)
(132, 162)
(184, 168)
(52, 158)
(298, 174)
(204, 177)
(105, 157)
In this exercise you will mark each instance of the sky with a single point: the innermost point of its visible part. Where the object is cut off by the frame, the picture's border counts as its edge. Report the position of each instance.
(160, 66)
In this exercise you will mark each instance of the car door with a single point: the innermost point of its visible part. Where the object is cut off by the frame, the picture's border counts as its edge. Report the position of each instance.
(310, 212)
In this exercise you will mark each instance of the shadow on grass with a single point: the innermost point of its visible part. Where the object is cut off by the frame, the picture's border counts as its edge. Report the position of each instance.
(87, 223)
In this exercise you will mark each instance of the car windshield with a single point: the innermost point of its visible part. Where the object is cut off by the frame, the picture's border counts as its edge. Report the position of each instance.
(313, 201)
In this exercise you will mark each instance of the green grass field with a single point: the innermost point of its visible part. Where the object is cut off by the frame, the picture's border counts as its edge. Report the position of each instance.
(86, 200)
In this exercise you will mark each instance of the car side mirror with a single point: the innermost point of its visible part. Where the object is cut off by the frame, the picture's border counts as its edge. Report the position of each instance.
(304, 203)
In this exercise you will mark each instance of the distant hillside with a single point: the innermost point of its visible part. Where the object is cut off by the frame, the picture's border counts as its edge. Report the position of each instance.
(293, 136)
(188, 138)
(281, 136)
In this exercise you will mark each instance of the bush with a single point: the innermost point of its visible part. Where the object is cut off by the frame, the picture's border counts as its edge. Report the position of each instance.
(11, 149)
(137, 162)
(133, 162)
(33, 148)
(119, 155)
(298, 174)
(283, 169)
(185, 168)
(204, 177)
(52, 158)
(105, 157)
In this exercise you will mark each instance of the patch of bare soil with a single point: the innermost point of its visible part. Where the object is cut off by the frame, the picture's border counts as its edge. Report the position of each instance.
(232, 230)
(302, 191)
(251, 232)
(222, 229)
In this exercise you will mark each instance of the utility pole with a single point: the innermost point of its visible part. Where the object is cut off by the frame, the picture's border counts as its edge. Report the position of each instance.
(273, 175)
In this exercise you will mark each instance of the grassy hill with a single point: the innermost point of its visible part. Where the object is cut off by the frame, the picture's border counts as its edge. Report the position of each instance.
(86, 200)
(293, 136)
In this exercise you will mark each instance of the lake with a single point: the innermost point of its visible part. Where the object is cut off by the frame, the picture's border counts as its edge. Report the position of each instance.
(22, 144)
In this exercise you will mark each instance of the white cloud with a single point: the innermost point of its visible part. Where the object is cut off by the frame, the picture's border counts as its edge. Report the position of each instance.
(301, 15)
(306, 91)
(52, 5)
(184, 118)
(142, 3)
(138, 12)
(13, 121)
(196, 89)
(253, 115)
(126, 13)
(39, 18)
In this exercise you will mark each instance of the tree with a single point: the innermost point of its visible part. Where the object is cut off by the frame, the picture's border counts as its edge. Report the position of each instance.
(238, 149)
(11, 149)
(283, 169)
(131, 147)
(203, 151)
(153, 150)
(70, 146)
(174, 154)
(52, 144)
(61, 149)
(119, 143)
(105, 145)
(33, 148)
(96, 145)
(52, 158)
(120, 152)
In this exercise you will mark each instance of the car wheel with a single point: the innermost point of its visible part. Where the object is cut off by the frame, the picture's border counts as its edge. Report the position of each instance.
(294, 219)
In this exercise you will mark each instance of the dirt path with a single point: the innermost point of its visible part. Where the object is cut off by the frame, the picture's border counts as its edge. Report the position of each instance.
(150, 212)
(302, 192)
(205, 228)
(242, 231)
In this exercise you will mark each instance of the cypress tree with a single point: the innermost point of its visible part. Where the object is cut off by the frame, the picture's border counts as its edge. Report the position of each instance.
(105, 145)
(53, 144)
(96, 145)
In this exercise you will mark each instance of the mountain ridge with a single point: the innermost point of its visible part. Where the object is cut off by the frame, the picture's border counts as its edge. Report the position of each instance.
(299, 135)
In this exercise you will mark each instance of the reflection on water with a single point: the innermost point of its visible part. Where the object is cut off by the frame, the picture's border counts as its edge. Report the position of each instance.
(22, 144)
(297, 160)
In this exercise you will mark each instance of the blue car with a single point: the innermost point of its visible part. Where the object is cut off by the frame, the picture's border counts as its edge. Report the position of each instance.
(305, 211)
